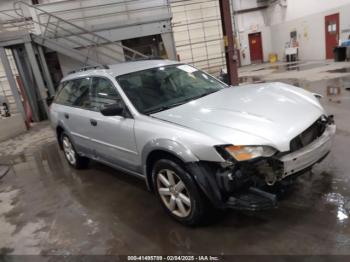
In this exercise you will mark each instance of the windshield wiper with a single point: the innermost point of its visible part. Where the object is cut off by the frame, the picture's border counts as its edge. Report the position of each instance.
(166, 107)
(162, 108)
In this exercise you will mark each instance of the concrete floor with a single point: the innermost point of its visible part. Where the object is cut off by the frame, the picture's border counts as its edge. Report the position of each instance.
(48, 208)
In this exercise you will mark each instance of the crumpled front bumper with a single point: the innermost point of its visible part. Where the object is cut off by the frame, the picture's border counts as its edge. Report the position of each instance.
(308, 155)
(244, 185)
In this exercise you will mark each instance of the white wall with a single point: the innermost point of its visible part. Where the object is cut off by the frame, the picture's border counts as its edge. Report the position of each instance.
(310, 28)
(244, 42)
(11, 127)
(276, 22)
(301, 8)
(252, 22)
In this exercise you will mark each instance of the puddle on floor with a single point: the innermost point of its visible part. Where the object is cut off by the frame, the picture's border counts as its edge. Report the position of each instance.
(298, 67)
(250, 80)
(293, 66)
(340, 70)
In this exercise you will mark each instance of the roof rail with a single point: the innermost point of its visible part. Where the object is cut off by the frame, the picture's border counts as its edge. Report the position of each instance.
(146, 58)
(86, 68)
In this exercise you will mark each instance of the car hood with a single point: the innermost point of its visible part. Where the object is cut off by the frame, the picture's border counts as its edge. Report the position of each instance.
(261, 114)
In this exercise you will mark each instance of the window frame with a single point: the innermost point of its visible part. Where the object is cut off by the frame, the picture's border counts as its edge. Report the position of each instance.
(128, 113)
(112, 84)
(116, 78)
(63, 83)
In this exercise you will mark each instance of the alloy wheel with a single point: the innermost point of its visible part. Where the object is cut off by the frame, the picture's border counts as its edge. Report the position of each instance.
(173, 193)
(69, 150)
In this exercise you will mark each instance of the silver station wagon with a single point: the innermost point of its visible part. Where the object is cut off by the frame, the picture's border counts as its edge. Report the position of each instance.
(196, 142)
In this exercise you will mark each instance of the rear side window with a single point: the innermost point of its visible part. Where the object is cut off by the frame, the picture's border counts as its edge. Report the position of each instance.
(73, 91)
(101, 94)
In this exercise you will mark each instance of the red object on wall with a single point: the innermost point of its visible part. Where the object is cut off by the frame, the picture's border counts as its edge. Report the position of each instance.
(255, 47)
(332, 33)
(25, 102)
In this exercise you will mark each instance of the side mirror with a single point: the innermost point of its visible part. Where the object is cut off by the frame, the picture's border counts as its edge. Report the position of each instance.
(113, 110)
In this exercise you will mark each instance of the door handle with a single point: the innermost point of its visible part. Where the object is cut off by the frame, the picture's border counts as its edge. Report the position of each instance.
(93, 122)
(66, 115)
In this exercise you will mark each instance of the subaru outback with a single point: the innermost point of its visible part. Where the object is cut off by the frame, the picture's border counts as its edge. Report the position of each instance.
(195, 141)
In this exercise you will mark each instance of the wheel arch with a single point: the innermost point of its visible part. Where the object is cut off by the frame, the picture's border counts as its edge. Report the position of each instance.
(163, 148)
(59, 131)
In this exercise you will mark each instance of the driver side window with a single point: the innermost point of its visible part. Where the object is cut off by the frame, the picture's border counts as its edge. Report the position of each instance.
(101, 94)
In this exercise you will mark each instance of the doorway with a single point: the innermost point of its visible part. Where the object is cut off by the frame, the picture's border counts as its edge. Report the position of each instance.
(255, 47)
(332, 34)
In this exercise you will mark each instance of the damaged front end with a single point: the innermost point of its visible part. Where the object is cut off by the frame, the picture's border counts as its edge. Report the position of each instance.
(251, 184)
(239, 185)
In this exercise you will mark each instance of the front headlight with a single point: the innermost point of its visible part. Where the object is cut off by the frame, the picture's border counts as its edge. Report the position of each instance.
(242, 153)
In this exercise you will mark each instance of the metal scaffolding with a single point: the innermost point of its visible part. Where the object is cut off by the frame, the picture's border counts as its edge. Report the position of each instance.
(84, 31)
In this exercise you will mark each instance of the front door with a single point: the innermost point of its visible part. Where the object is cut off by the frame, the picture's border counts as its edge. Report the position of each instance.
(112, 137)
(332, 34)
(255, 47)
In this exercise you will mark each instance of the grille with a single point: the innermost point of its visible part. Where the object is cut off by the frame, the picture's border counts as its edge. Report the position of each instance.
(309, 135)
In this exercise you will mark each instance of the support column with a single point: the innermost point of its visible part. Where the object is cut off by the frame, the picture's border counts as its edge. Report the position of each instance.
(231, 61)
(27, 82)
(12, 82)
(46, 71)
(37, 75)
(169, 45)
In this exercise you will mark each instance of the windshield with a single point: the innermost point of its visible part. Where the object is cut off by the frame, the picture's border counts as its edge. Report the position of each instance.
(161, 88)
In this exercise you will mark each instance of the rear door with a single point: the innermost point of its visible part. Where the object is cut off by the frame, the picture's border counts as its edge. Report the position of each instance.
(112, 137)
(75, 119)
(332, 34)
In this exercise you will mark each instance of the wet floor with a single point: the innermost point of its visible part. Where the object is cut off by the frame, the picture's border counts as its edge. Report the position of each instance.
(46, 207)
(53, 209)
(296, 66)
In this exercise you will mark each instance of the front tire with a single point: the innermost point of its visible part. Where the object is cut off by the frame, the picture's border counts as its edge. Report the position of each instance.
(178, 192)
(71, 154)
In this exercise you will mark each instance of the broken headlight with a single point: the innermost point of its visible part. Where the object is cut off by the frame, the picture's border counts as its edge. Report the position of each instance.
(243, 153)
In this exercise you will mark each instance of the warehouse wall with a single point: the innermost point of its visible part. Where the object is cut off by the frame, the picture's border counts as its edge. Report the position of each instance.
(277, 21)
(301, 9)
(198, 33)
(310, 29)
(251, 22)
(100, 15)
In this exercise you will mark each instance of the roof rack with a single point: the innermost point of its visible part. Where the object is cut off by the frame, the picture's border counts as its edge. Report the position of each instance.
(86, 68)
(146, 58)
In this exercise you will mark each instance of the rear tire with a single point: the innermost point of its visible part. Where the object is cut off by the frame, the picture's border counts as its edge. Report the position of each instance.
(71, 155)
(178, 192)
